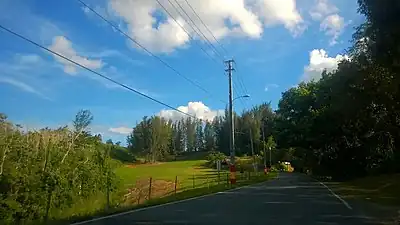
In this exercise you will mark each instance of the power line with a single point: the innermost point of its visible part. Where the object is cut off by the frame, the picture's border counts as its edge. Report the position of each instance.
(146, 50)
(92, 71)
(204, 24)
(207, 40)
(241, 83)
(183, 28)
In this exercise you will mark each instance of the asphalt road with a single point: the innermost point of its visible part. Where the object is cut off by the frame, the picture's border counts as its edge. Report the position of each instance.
(290, 199)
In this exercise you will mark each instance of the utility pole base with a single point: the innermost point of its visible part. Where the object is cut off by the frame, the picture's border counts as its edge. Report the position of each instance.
(233, 174)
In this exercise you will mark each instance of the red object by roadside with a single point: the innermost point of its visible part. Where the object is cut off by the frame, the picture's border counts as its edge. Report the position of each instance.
(232, 169)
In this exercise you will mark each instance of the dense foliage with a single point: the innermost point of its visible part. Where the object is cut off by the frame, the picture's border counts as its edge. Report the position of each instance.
(158, 139)
(45, 172)
(347, 124)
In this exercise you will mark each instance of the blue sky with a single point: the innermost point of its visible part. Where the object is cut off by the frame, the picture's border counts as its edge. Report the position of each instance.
(276, 44)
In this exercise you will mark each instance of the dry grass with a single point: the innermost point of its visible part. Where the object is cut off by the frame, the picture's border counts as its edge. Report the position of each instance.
(383, 190)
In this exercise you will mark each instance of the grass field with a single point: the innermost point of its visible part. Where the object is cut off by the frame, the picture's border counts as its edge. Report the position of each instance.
(383, 190)
(167, 171)
(163, 182)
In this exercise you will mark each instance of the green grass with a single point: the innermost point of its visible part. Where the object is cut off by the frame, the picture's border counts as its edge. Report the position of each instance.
(383, 190)
(167, 171)
(189, 193)
(162, 191)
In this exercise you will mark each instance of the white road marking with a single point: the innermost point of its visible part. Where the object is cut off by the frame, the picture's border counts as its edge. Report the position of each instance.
(337, 196)
(165, 204)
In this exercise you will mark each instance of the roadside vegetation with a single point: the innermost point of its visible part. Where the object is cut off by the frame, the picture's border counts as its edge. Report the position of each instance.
(345, 126)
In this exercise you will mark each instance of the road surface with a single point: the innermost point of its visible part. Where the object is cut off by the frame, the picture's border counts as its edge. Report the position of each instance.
(290, 199)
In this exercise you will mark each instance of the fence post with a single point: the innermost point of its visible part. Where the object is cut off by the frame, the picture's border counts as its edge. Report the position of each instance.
(208, 183)
(193, 181)
(218, 177)
(139, 195)
(151, 180)
(176, 182)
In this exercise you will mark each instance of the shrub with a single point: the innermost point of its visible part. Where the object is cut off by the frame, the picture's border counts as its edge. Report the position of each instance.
(214, 156)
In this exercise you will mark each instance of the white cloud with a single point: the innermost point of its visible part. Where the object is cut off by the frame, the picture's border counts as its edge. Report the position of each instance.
(26, 72)
(23, 86)
(63, 46)
(197, 109)
(268, 87)
(333, 26)
(281, 12)
(319, 61)
(120, 130)
(330, 21)
(28, 58)
(245, 18)
(321, 9)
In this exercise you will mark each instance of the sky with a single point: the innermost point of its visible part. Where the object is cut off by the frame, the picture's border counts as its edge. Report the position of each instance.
(275, 44)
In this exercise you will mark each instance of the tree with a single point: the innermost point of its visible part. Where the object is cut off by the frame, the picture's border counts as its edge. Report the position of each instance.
(82, 120)
(209, 137)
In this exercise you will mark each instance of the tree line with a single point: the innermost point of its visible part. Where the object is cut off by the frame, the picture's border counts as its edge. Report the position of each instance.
(347, 124)
(157, 138)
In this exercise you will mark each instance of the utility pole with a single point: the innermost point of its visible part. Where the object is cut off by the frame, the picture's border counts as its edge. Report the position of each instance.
(231, 122)
(252, 150)
(270, 157)
(265, 152)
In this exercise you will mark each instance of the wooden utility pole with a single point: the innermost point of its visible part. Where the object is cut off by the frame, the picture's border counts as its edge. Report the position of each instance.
(231, 122)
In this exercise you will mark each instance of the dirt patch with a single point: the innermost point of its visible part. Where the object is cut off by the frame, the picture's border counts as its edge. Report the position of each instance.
(140, 192)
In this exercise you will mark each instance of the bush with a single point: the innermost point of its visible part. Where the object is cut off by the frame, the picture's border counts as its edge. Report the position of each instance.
(214, 156)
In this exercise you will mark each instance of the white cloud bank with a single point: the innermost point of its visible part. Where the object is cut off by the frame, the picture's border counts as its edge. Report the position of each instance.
(223, 17)
(330, 21)
(320, 61)
(120, 130)
(197, 109)
(63, 46)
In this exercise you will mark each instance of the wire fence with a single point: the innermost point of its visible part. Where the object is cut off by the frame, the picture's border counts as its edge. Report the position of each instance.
(149, 188)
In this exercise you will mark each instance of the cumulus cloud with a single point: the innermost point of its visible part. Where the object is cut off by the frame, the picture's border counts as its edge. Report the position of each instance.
(282, 12)
(321, 9)
(224, 18)
(120, 130)
(63, 46)
(320, 61)
(197, 109)
(333, 26)
(330, 21)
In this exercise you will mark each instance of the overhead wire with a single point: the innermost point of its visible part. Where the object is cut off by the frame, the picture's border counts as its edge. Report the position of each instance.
(204, 24)
(188, 33)
(94, 72)
(146, 50)
(202, 34)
